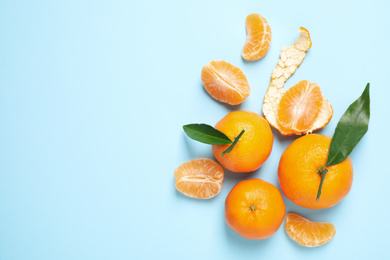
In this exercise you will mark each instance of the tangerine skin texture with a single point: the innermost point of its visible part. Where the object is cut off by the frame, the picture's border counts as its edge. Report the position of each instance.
(254, 146)
(267, 216)
(299, 180)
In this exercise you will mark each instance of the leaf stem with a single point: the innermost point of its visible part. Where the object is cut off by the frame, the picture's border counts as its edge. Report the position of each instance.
(230, 148)
(321, 169)
(322, 173)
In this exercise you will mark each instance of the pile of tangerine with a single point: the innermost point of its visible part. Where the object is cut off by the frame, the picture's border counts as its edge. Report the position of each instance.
(255, 208)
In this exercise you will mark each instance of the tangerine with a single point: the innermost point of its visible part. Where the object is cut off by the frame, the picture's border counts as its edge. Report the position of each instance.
(253, 148)
(298, 175)
(254, 209)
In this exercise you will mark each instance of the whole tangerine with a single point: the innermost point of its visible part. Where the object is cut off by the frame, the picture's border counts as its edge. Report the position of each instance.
(298, 175)
(254, 209)
(253, 148)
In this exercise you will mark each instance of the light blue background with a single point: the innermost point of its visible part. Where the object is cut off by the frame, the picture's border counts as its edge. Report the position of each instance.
(93, 95)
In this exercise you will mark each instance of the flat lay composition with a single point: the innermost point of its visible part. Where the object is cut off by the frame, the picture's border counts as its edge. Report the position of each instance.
(194, 130)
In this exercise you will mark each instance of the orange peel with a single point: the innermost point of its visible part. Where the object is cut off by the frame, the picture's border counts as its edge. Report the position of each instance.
(290, 59)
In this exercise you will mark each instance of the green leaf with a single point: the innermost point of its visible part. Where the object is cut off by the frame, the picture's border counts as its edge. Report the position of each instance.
(351, 128)
(206, 134)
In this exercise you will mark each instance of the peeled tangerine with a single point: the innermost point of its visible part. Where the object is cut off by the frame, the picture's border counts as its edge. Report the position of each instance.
(258, 39)
(307, 233)
(302, 109)
(200, 178)
(225, 82)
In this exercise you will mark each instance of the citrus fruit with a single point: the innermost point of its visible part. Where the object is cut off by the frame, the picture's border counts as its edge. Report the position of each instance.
(299, 107)
(298, 175)
(225, 82)
(290, 59)
(258, 39)
(200, 178)
(254, 209)
(308, 233)
(254, 146)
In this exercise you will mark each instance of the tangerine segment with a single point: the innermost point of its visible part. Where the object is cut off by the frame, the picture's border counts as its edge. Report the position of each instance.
(225, 82)
(308, 233)
(299, 107)
(258, 38)
(200, 178)
(290, 59)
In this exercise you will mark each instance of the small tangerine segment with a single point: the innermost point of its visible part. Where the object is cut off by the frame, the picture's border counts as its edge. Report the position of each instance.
(253, 148)
(308, 233)
(225, 82)
(200, 178)
(298, 175)
(299, 107)
(254, 209)
(258, 39)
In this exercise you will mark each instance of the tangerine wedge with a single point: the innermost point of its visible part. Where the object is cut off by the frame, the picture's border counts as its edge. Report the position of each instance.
(200, 178)
(258, 38)
(308, 233)
(299, 107)
(225, 82)
(290, 59)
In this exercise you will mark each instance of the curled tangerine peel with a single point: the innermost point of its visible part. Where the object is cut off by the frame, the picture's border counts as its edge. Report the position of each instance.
(200, 178)
(290, 59)
(258, 39)
(225, 82)
(308, 233)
